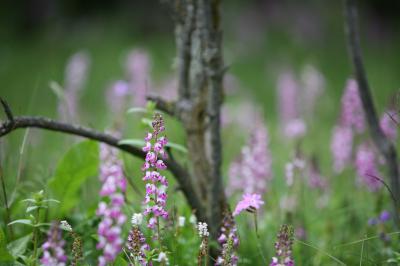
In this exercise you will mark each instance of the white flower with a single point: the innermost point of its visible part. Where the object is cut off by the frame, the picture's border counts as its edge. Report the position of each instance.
(163, 257)
(203, 230)
(137, 219)
(65, 226)
(193, 219)
(181, 221)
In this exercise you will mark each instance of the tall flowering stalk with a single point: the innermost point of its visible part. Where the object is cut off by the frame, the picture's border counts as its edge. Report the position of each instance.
(366, 166)
(203, 251)
(110, 208)
(229, 240)
(352, 111)
(341, 147)
(75, 77)
(313, 83)
(136, 243)
(116, 97)
(251, 172)
(157, 184)
(283, 247)
(288, 95)
(53, 248)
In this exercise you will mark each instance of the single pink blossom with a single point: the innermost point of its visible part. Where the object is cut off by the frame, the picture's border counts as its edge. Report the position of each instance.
(248, 202)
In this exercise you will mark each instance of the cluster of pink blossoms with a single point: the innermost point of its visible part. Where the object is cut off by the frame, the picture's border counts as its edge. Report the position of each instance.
(366, 166)
(53, 248)
(76, 74)
(389, 123)
(252, 170)
(289, 106)
(157, 184)
(110, 209)
(351, 122)
(138, 71)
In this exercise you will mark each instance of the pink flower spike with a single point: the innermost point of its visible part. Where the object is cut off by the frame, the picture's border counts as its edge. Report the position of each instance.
(249, 201)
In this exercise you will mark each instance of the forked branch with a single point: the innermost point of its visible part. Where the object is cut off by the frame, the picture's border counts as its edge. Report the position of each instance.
(13, 123)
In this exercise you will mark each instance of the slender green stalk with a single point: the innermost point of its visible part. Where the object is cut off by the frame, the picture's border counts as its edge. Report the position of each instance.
(8, 216)
(258, 238)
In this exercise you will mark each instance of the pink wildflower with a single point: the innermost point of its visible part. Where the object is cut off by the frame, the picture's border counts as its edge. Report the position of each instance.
(249, 202)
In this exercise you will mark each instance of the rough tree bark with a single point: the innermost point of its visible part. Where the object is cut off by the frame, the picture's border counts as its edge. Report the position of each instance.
(200, 76)
(201, 70)
(385, 147)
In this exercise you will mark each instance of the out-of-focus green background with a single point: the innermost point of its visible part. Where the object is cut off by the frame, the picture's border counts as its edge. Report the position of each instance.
(260, 38)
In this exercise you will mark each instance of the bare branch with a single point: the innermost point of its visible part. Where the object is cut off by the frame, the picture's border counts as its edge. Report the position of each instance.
(7, 109)
(174, 167)
(385, 147)
(163, 105)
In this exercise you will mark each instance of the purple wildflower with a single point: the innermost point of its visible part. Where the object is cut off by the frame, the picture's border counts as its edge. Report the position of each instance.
(388, 126)
(53, 248)
(352, 111)
(283, 247)
(75, 77)
(113, 187)
(157, 184)
(138, 70)
(366, 166)
(229, 240)
(384, 216)
(252, 170)
(341, 147)
(136, 243)
(249, 202)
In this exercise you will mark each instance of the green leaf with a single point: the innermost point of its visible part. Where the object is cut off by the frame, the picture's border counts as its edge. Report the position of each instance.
(147, 122)
(29, 200)
(5, 257)
(57, 89)
(177, 147)
(137, 110)
(18, 246)
(32, 208)
(77, 165)
(119, 261)
(132, 142)
(22, 221)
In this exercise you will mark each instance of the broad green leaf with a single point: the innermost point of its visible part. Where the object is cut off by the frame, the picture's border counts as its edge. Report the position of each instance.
(119, 261)
(22, 221)
(147, 122)
(18, 246)
(77, 165)
(137, 110)
(177, 147)
(5, 257)
(57, 89)
(32, 208)
(132, 142)
(29, 200)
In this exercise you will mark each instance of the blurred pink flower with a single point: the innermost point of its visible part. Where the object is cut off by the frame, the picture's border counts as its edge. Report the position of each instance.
(352, 111)
(366, 166)
(251, 171)
(313, 83)
(248, 202)
(341, 147)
